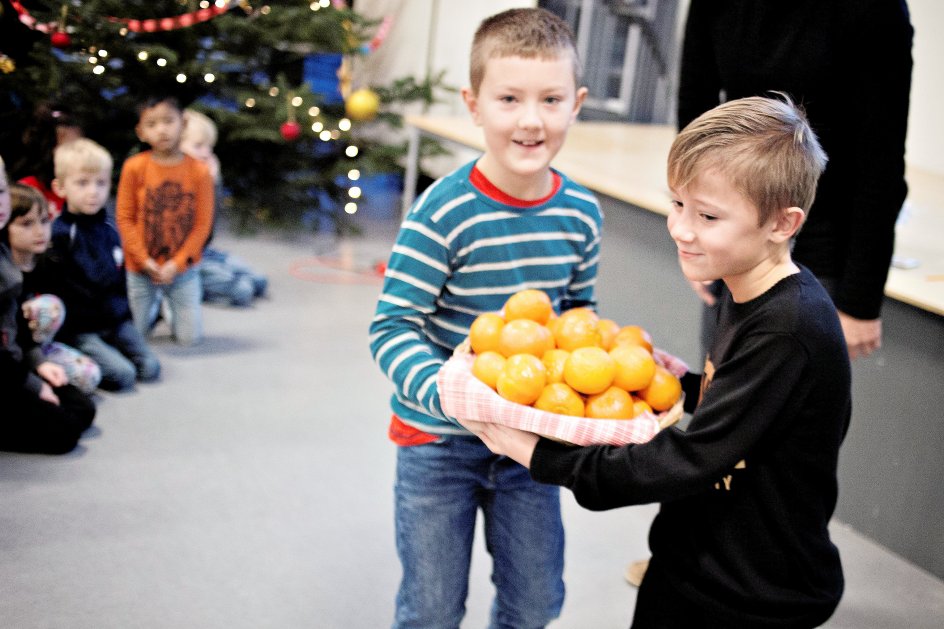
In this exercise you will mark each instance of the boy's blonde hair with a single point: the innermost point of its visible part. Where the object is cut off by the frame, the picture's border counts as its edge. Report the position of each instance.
(528, 33)
(764, 146)
(199, 126)
(81, 155)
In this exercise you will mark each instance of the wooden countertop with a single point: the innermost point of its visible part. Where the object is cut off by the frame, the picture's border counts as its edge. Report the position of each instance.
(627, 162)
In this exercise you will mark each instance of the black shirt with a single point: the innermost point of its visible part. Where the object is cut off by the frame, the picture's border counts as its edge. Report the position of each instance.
(748, 489)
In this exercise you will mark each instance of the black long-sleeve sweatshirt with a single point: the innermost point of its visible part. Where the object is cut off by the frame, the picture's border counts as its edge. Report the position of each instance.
(748, 489)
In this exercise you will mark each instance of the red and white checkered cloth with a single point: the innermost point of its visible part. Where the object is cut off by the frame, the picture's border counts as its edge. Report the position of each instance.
(464, 396)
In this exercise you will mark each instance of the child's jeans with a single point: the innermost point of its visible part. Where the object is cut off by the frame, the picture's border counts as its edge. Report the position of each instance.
(229, 279)
(440, 488)
(183, 299)
(123, 356)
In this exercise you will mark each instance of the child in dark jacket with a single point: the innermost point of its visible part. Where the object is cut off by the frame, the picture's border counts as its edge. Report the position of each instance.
(87, 248)
(28, 233)
(41, 411)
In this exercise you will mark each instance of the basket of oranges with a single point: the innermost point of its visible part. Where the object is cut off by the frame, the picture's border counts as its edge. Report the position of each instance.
(574, 377)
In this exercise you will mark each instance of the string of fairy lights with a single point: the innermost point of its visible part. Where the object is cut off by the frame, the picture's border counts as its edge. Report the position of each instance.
(100, 61)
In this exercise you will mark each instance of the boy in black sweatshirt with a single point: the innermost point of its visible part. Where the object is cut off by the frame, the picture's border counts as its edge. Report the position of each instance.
(748, 489)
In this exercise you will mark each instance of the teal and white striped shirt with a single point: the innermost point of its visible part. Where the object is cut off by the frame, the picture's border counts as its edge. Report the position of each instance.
(460, 253)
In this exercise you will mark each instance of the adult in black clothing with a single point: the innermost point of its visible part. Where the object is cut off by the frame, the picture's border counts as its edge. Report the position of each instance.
(848, 63)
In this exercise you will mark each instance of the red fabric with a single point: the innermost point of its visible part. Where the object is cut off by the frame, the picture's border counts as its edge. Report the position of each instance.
(55, 201)
(487, 188)
(405, 435)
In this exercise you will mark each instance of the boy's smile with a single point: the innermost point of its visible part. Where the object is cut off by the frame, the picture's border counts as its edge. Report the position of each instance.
(525, 107)
(716, 230)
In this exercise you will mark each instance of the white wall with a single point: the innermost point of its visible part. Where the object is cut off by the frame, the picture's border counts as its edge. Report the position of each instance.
(428, 34)
(925, 121)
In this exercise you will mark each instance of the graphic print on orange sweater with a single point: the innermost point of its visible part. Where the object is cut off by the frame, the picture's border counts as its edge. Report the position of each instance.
(168, 219)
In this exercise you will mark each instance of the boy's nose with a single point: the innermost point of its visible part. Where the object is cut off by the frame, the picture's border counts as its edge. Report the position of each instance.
(529, 118)
(679, 229)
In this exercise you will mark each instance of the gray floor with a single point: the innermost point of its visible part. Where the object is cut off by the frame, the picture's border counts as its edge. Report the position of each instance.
(251, 488)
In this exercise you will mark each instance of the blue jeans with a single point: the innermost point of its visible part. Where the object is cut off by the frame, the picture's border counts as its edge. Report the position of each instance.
(122, 355)
(227, 278)
(183, 298)
(440, 488)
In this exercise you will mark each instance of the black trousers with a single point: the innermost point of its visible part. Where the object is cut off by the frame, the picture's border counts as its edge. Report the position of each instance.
(30, 424)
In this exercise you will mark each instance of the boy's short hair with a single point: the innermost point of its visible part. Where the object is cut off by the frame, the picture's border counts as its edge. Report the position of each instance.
(529, 33)
(765, 146)
(81, 155)
(199, 125)
(154, 100)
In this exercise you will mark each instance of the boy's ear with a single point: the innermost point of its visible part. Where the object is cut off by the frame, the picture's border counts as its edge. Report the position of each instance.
(787, 224)
(578, 103)
(58, 188)
(471, 102)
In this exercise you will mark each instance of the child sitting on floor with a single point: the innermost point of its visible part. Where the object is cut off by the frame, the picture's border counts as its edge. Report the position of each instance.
(225, 277)
(28, 234)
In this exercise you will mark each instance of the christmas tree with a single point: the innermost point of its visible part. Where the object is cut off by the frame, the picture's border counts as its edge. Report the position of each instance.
(295, 136)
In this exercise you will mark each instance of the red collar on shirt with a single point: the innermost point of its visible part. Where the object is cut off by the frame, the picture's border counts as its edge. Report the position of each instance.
(487, 188)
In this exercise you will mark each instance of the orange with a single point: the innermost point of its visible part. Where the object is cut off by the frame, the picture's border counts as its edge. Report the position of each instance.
(487, 366)
(559, 398)
(589, 370)
(608, 330)
(484, 332)
(664, 390)
(613, 403)
(524, 336)
(552, 323)
(522, 379)
(640, 407)
(633, 335)
(634, 367)
(582, 313)
(530, 304)
(575, 328)
(554, 360)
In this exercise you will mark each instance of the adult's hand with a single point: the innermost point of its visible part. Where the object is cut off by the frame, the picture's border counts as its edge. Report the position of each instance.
(863, 336)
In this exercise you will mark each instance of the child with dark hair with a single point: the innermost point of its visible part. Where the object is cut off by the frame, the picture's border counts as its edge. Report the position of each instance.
(41, 411)
(27, 234)
(164, 210)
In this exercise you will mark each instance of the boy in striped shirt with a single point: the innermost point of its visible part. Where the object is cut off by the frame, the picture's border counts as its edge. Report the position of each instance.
(498, 225)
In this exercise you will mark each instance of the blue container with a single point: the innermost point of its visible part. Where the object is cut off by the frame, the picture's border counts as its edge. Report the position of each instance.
(320, 70)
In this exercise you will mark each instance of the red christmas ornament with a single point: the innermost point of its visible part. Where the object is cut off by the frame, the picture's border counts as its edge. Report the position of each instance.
(290, 130)
(60, 39)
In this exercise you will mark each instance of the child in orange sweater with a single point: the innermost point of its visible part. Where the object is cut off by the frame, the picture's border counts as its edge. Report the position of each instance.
(164, 211)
